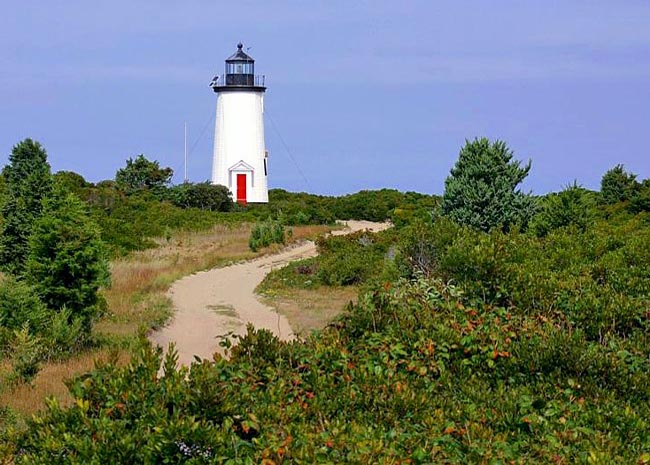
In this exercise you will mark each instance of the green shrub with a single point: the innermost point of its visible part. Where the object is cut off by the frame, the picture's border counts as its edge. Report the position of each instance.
(411, 371)
(204, 196)
(133, 222)
(64, 335)
(344, 260)
(418, 251)
(26, 355)
(265, 234)
(353, 258)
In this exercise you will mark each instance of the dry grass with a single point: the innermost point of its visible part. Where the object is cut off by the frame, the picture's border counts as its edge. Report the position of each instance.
(137, 299)
(311, 309)
(50, 382)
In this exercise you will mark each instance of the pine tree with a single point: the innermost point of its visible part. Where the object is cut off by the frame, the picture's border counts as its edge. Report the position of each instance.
(617, 185)
(573, 206)
(68, 262)
(481, 190)
(27, 182)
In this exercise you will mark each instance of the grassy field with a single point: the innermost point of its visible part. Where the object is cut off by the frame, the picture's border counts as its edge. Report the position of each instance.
(137, 301)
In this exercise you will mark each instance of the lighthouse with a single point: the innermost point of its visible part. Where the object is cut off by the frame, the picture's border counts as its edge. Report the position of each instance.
(240, 157)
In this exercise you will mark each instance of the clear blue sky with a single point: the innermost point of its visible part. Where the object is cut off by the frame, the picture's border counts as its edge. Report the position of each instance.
(366, 94)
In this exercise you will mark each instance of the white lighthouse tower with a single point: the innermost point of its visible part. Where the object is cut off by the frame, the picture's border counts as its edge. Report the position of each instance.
(240, 156)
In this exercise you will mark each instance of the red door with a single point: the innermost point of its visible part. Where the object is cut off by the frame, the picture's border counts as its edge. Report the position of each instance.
(241, 189)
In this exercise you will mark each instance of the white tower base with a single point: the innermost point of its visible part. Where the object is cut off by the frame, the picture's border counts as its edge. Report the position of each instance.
(240, 157)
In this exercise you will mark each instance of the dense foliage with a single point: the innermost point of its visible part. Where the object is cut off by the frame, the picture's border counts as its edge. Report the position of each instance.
(617, 185)
(539, 353)
(482, 189)
(474, 339)
(27, 182)
(31, 333)
(344, 260)
(202, 195)
(141, 174)
(20, 306)
(56, 263)
(266, 233)
(133, 222)
(379, 205)
(68, 261)
(573, 206)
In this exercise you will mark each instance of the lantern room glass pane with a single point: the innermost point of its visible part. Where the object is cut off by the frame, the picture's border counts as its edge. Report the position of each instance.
(239, 68)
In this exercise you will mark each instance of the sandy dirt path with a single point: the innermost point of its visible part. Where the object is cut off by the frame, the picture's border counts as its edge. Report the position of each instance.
(213, 303)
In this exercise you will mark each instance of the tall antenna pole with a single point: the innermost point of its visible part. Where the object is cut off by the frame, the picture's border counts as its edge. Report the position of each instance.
(185, 152)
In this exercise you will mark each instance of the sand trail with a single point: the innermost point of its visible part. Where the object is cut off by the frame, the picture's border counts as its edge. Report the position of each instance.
(212, 303)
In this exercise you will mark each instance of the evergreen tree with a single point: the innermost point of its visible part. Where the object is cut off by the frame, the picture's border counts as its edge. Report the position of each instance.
(573, 206)
(481, 190)
(20, 306)
(617, 185)
(68, 262)
(27, 182)
(143, 174)
(640, 201)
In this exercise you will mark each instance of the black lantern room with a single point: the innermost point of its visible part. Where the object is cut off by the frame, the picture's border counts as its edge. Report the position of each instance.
(240, 73)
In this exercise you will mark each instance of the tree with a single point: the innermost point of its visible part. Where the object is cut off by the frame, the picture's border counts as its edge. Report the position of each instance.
(27, 182)
(203, 195)
(617, 185)
(481, 190)
(573, 206)
(20, 306)
(142, 174)
(71, 181)
(640, 202)
(68, 262)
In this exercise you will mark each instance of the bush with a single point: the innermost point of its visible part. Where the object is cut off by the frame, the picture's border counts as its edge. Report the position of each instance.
(265, 234)
(64, 335)
(418, 253)
(512, 387)
(529, 348)
(204, 196)
(51, 335)
(353, 258)
(26, 356)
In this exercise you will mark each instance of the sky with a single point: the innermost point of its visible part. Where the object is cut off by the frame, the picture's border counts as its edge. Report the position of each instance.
(361, 94)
